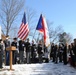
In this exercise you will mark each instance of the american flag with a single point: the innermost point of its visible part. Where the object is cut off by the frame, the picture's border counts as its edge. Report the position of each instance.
(42, 28)
(24, 29)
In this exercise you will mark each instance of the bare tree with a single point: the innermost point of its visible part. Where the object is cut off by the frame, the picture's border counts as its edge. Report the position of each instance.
(31, 19)
(54, 32)
(57, 34)
(58, 30)
(69, 38)
(9, 12)
(65, 38)
(31, 14)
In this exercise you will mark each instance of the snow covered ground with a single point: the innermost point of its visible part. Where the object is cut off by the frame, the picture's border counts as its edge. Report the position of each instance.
(39, 69)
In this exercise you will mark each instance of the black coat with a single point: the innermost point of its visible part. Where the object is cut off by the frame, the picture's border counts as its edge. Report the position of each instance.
(74, 50)
(7, 43)
(27, 45)
(14, 44)
(65, 55)
(39, 48)
(21, 45)
(33, 47)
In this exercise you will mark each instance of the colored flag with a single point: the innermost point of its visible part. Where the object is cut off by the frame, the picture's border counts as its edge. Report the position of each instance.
(42, 28)
(24, 29)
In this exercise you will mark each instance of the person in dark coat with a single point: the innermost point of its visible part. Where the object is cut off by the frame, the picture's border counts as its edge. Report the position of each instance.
(14, 53)
(52, 52)
(21, 51)
(7, 44)
(33, 45)
(55, 54)
(74, 51)
(71, 58)
(46, 54)
(65, 54)
(60, 53)
(28, 51)
(40, 51)
(1, 53)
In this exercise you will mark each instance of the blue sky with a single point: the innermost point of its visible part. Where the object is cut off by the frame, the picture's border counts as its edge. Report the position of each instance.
(61, 12)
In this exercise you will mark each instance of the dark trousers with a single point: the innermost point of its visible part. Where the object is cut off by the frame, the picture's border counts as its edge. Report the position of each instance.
(53, 57)
(40, 58)
(21, 57)
(14, 54)
(7, 55)
(60, 56)
(28, 54)
(65, 58)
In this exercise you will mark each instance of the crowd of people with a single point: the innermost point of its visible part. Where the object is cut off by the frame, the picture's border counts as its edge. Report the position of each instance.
(59, 53)
(27, 52)
(64, 53)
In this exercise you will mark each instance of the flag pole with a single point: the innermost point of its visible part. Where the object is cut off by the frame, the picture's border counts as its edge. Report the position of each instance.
(34, 34)
(42, 42)
(38, 38)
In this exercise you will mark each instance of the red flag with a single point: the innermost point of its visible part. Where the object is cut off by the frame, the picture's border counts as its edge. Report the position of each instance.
(24, 30)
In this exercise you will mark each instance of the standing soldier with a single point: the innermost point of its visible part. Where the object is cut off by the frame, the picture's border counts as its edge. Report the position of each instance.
(21, 51)
(14, 53)
(1, 53)
(7, 44)
(28, 52)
